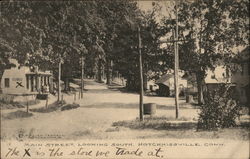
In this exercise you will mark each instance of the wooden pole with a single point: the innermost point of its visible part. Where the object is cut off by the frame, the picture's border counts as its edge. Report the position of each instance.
(59, 79)
(27, 104)
(82, 72)
(176, 65)
(141, 76)
(46, 105)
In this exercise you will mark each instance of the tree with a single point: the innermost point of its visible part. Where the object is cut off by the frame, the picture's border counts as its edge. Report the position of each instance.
(210, 33)
(45, 31)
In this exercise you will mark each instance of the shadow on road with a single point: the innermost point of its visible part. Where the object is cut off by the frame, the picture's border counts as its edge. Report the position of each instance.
(131, 106)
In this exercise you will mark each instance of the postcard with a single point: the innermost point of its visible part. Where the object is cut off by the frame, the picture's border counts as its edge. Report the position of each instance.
(121, 79)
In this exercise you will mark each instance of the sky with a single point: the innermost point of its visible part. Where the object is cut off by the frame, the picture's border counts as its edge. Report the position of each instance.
(166, 6)
(166, 10)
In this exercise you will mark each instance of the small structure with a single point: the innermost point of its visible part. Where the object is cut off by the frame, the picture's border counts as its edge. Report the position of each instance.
(23, 80)
(166, 85)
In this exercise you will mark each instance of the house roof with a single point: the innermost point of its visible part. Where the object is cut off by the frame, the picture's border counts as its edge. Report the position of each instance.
(165, 78)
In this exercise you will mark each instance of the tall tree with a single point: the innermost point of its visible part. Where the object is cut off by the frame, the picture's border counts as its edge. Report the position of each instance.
(210, 32)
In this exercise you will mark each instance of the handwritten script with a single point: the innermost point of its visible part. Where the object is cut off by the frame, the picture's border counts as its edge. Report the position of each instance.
(14, 152)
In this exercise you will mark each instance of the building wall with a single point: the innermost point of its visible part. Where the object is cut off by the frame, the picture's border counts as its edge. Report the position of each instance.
(182, 83)
(218, 75)
(241, 79)
(17, 81)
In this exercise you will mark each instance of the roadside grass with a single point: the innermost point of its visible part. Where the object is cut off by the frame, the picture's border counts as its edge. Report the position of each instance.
(70, 106)
(81, 133)
(51, 107)
(159, 123)
(236, 133)
(183, 128)
(17, 114)
(7, 102)
(61, 105)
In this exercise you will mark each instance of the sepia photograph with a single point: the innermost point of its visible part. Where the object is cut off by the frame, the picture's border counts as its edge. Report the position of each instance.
(124, 79)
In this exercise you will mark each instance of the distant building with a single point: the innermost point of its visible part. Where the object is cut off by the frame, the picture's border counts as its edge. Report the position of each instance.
(217, 76)
(241, 77)
(166, 84)
(22, 80)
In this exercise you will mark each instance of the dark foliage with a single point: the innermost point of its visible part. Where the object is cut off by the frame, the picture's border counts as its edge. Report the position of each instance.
(17, 114)
(70, 106)
(220, 109)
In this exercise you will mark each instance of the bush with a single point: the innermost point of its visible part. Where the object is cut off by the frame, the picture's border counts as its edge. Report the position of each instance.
(220, 109)
(17, 114)
(7, 102)
(51, 107)
(70, 106)
(6, 99)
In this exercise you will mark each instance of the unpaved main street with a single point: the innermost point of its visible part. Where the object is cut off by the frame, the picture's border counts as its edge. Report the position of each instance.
(99, 109)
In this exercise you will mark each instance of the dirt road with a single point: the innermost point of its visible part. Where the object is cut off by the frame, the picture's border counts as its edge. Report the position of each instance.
(99, 109)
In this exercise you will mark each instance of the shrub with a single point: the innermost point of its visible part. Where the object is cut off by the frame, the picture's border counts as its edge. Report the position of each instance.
(7, 102)
(70, 106)
(220, 109)
(51, 107)
(17, 114)
(7, 99)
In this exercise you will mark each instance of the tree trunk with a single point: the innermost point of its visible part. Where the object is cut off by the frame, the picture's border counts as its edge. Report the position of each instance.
(141, 111)
(145, 82)
(66, 84)
(99, 71)
(59, 81)
(109, 72)
(82, 73)
(200, 77)
(1, 75)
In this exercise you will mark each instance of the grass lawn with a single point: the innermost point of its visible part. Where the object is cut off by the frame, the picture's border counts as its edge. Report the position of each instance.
(185, 128)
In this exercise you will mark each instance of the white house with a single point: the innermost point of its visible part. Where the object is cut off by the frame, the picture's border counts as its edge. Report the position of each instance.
(22, 80)
(218, 75)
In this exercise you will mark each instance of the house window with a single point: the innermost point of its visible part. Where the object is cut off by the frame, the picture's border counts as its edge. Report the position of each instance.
(7, 82)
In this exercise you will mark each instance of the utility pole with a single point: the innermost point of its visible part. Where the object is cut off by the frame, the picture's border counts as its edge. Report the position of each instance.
(176, 60)
(82, 73)
(176, 65)
(141, 75)
(59, 79)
